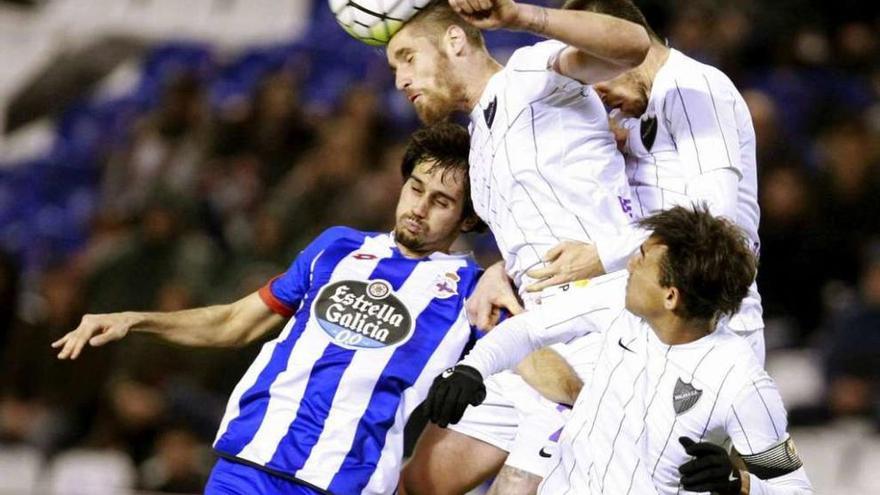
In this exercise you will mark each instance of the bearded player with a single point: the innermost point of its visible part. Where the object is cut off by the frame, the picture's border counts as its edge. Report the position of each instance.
(544, 169)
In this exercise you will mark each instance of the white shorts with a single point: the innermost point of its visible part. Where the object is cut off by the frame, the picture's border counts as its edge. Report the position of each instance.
(514, 417)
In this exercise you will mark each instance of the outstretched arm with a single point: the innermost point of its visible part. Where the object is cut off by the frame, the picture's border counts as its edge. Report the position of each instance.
(227, 325)
(601, 47)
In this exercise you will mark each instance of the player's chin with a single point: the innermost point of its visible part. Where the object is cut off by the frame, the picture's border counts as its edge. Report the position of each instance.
(430, 115)
(403, 236)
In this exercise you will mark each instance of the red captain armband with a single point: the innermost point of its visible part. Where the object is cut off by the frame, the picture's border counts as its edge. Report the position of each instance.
(273, 302)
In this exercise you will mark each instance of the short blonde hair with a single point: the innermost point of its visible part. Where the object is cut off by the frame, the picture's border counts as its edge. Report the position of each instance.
(437, 16)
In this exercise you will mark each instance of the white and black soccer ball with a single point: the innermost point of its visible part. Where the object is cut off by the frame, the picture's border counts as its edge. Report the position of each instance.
(375, 21)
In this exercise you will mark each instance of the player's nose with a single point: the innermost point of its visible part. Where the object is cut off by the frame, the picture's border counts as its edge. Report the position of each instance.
(420, 209)
(630, 263)
(402, 81)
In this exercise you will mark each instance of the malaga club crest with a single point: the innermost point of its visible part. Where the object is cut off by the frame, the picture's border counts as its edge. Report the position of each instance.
(684, 396)
(363, 315)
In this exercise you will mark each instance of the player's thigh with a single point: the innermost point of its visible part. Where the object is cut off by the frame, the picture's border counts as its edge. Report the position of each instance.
(515, 481)
(446, 462)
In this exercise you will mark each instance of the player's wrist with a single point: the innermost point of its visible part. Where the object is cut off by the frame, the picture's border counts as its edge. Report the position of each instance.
(532, 18)
(745, 488)
(469, 371)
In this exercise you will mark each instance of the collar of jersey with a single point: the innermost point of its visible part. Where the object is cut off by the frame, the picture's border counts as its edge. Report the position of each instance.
(674, 59)
(436, 255)
(489, 92)
(696, 344)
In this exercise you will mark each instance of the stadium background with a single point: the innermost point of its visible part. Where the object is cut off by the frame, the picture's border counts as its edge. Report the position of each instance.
(156, 156)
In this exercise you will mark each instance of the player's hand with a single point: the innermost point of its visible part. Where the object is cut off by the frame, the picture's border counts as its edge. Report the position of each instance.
(487, 14)
(95, 330)
(492, 294)
(711, 469)
(451, 393)
(566, 262)
(621, 133)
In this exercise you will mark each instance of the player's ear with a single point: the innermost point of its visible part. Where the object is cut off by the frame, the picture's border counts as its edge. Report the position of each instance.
(470, 223)
(455, 40)
(672, 300)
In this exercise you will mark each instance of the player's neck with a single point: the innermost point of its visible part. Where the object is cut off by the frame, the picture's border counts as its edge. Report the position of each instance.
(674, 330)
(657, 55)
(475, 80)
(409, 253)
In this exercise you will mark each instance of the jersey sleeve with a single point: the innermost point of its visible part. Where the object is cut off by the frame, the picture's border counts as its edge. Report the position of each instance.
(531, 70)
(702, 120)
(516, 337)
(758, 428)
(283, 293)
(615, 251)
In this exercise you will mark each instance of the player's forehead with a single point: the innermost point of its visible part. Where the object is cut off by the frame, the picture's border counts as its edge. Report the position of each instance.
(653, 248)
(410, 38)
(441, 179)
(400, 42)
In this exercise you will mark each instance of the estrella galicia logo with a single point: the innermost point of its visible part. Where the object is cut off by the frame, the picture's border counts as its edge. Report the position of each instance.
(363, 315)
(684, 396)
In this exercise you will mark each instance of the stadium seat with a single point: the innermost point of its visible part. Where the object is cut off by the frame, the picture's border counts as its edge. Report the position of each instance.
(90, 472)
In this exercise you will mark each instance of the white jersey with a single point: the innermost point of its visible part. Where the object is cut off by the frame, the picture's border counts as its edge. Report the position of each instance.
(696, 143)
(544, 163)
(642, 395)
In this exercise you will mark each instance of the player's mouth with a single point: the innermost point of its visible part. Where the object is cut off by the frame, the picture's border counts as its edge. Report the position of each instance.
(413, 98)
(413, 225)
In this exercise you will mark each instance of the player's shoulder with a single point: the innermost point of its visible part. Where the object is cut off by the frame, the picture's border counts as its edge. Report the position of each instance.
(342, 232)
(342, 236)
(682, 76)
(529, 76)
(739, 356)
(535, 57)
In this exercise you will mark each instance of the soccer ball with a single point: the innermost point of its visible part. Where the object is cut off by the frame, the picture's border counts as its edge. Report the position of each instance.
(375, 21)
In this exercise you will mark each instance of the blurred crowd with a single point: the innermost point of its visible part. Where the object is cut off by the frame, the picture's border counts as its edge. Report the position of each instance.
(200, 203)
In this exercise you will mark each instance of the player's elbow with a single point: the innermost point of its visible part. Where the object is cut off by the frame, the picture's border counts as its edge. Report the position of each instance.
(633, 53)
(572, 388)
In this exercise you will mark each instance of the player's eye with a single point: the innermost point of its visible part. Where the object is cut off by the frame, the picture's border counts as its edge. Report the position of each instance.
(409, 58)
(443, 203)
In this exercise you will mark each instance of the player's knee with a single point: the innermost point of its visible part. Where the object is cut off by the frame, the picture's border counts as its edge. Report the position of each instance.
(416, 478)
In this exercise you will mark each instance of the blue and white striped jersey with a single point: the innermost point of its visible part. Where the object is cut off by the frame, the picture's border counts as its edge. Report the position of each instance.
(327, 400)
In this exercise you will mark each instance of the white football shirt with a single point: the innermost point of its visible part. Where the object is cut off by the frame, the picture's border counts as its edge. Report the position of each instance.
(696, 143)
(544, 163)
(641, 395)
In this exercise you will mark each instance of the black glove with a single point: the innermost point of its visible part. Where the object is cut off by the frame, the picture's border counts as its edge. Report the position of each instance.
(451, 393)
(710, 470)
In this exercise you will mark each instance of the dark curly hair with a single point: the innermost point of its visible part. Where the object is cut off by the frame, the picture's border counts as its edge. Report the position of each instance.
(448, 146)
(707, 259)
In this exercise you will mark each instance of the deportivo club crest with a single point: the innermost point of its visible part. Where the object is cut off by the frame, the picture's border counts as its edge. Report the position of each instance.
(446, 285)
(361, 315)
(684, 396)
